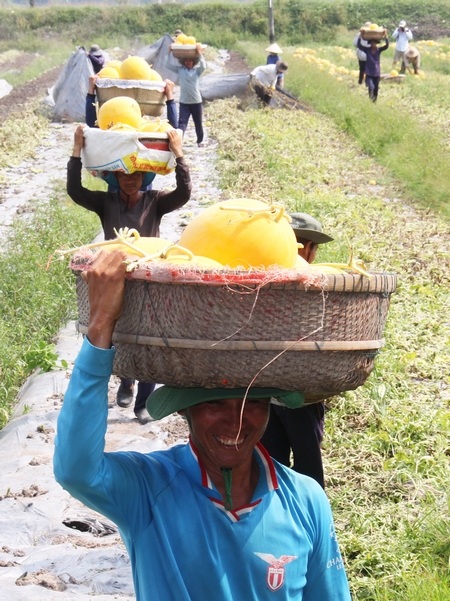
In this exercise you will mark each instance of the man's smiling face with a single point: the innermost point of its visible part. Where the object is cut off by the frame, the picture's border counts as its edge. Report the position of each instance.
(221, 437)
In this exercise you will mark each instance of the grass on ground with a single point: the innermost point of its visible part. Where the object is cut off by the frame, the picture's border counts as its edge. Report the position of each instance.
(386, 444)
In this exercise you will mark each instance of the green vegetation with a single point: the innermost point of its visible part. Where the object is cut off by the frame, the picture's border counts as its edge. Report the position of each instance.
(407, 125)
(386, 444)
(36, 288)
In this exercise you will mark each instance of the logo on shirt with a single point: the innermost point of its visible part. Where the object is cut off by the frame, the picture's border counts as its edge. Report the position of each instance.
(275, 571)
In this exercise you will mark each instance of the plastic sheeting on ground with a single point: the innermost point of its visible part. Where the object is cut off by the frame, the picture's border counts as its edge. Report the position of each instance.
(69, 92)
(214, 87)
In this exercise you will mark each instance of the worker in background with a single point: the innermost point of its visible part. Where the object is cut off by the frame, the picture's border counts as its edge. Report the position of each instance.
(402, 36)
(300, 431)
(265, 79)
(97, 57)
(361, 55)
(273, 57)
(412, 59)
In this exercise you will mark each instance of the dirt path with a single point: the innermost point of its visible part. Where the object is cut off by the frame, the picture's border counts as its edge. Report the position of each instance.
(47, 551)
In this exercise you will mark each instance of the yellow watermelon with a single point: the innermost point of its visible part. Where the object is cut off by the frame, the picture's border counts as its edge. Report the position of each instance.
(120, 109)
(240, 238)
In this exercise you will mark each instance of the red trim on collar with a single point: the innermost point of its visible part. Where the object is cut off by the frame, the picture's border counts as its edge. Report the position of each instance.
(271, 475)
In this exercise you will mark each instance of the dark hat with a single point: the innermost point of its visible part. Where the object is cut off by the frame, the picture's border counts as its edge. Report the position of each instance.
(166, 400)
(307, 227)
(177, 31)
(95, 50)
(281, 66)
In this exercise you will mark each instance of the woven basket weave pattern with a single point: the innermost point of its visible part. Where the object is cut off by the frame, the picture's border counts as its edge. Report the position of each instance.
(151, 102)
(273, 313)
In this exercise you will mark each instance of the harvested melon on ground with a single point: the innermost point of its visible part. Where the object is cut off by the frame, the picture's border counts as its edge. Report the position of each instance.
(244, 233)
(119, 110)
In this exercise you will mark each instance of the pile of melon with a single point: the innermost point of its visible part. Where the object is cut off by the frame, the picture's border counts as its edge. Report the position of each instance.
(132, 68)
(123, 113)
(186, 40)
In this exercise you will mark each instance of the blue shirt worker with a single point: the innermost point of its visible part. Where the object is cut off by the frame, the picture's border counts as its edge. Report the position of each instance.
(213, 519)
(191, 103)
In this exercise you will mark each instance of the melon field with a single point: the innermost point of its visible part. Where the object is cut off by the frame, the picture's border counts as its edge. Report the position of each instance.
(378, 178)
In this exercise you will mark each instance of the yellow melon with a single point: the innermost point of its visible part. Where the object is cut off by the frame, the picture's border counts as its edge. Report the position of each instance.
(135, 67)
(180, 39)
(242, 233)
(373, 26)
(121, 109)
(114, 64)
(190, 40)
(109, 72)
(301, 263)
(394, 73)
(154, 75)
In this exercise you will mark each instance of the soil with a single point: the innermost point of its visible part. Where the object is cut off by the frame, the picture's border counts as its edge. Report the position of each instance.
(21, 95)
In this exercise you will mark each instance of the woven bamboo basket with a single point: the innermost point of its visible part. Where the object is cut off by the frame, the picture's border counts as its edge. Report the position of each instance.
(150, 97)
(319, 338)
(185, 51)
(372, 34)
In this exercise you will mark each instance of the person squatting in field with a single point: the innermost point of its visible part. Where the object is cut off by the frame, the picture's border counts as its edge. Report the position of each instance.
(130, 207)
(213, 519)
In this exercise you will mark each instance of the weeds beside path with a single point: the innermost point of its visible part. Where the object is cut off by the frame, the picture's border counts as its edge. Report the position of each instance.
(386, 444)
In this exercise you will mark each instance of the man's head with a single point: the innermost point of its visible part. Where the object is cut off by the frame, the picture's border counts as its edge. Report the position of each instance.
(402, 25)
(281, 66)
(95, 50)
(224, 427)
(188, 63)
(308, 232)
(130, 183)
(177, 32)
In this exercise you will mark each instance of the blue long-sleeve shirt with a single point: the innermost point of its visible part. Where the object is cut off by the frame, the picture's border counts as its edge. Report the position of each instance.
(373, 58)
(182, 542)
(188, 80)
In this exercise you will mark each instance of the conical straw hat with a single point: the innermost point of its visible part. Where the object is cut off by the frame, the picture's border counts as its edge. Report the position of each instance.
(274, 48)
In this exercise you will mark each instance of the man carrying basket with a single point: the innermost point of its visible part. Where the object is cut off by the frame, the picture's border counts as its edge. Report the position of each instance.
(215, 518)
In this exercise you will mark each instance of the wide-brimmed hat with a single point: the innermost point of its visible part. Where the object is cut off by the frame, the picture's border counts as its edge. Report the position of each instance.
(281, 66)
(166, 400)
(308, 228)
(367, 24)
(274, 49)
(177, 31)
(95, 50)
(411, 52)
(402, 24)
